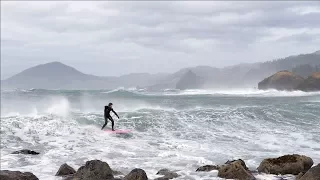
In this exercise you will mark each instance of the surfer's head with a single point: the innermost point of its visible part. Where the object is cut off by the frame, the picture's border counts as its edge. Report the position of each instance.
(110, 104)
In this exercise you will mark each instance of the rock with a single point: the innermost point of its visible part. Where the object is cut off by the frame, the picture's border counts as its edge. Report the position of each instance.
(25, 151)
(189, 81)
(312, 83)
(65, 170)
(70, 177)
(208, 168)
(115, 173)
(167, 174)
(283, 80)
(162, 178)
(235, 170)
(94, 170)
(299, 175)
(312, 174)
(241, 162)
(16, 175)
(136, 174)
(288, 164)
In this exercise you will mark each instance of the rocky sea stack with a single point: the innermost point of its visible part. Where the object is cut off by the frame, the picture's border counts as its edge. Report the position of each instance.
(283, 80)
(189, 81)
(312, 83)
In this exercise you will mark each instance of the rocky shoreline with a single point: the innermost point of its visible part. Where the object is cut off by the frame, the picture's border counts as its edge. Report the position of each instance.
(298, 165)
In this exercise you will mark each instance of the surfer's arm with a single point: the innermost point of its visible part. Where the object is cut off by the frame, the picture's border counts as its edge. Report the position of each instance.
(115, 113)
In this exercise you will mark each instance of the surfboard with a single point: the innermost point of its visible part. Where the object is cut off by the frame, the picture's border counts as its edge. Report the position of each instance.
(118, 131)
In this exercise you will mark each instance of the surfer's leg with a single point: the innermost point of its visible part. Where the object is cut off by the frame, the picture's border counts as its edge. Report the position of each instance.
(106, 122)
(112, 123)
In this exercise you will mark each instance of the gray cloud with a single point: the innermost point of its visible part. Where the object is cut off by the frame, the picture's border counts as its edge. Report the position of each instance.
(114, 38)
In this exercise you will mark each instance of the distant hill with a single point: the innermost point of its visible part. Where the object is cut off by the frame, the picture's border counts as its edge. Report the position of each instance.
(56, 75)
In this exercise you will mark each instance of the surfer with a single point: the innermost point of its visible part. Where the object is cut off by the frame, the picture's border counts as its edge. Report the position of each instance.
(107, 115)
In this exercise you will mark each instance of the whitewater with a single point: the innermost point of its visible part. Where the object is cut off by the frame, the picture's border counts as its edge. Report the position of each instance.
(178, 130)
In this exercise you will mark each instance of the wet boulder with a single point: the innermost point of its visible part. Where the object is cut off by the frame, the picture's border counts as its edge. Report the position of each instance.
(236, 169)
(25, 151)
(65, 170)
(288, 164)
(94, 170)
(136, 174)
(208, 168)
(167, 174)
(243, 164)
(312, 174)
(16, 175)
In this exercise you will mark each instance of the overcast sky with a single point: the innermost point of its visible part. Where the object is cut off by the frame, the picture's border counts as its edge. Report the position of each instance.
(115, 38)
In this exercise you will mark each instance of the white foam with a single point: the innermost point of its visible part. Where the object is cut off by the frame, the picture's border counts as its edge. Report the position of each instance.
(245, 92)
(162, 137)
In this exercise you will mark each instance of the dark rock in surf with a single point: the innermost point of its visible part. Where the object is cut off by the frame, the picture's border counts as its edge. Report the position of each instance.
(283, 80)
(25, 151)
(288, 164)
(136, 174)
(312, 174)
(208, 168)
(94, 170)
(167, 174)
(16, 175)
(235, 170)
(312, 83)
(65, 170)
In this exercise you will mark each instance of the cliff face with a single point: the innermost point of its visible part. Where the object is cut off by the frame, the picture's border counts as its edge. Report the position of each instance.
(189, 81)
(312, 83)
(283, 80)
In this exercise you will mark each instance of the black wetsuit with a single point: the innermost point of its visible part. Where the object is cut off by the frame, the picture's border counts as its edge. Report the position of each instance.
(107, 116)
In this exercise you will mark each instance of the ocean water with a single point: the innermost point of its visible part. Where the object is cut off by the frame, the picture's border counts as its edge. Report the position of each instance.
(178, 130)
